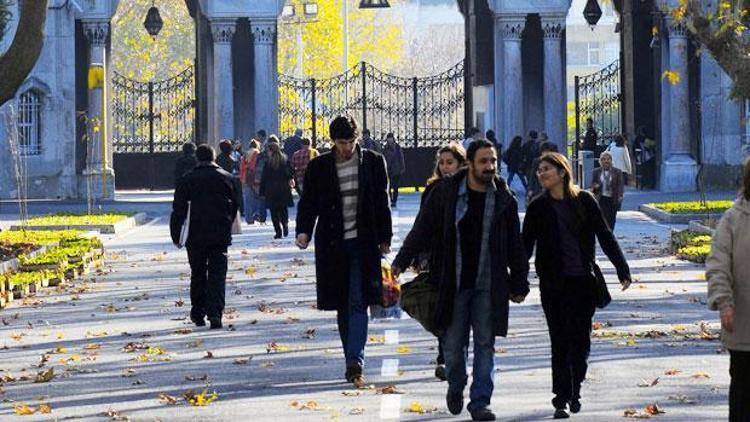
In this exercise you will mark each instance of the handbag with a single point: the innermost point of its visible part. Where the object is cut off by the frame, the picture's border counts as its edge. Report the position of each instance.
(419, 299)
(602, 297)
(236, 225)
(185, 229)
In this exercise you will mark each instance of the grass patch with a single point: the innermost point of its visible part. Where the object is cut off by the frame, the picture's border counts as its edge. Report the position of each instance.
(691, 246)
(78, 219)
(693, 207)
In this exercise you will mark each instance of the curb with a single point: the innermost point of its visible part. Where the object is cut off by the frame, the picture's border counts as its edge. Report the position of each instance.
(665, 217)
(120, 226)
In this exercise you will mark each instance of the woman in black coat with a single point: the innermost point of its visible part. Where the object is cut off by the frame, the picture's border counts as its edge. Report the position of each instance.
(562, 222)
(514, 158)
(276, 186)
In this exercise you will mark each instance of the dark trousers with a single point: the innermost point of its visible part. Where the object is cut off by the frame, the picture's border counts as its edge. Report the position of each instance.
(440, 356)
(280, 219)
(208, 267)
(609, 209)
(568, 313)
(395, 183)
(739, 386)
(520, 175)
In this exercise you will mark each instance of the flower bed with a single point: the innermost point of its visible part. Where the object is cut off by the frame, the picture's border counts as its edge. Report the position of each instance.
(39, 237)
(693, 207)
(691, 246)
(78, 219)
(12, 250)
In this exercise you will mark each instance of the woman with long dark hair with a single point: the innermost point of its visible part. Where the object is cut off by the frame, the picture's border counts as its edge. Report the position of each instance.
(513, 158)
(562, 223)
(275, 186)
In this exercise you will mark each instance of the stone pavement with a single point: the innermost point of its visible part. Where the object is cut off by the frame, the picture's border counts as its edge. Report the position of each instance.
(122, 347)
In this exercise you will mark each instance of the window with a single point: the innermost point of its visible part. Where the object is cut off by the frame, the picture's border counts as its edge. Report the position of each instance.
(576, 53)
(29, 123)
(593, 53)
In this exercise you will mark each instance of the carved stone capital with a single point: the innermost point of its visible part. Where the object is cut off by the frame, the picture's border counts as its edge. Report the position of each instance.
(223, 31)
(511, 29)
(96, 32)
(677, 29)
(263, 32)
(553, 28)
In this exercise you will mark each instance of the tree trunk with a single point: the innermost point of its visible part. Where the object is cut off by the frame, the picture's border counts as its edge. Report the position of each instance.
(17, 62)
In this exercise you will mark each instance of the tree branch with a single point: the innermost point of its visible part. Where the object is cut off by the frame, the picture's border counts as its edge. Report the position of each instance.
(17, 62)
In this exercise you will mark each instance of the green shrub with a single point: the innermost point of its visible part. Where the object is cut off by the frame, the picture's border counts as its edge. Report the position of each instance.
(691, 246)
(693, 207)
(39, 237)
(78, 219)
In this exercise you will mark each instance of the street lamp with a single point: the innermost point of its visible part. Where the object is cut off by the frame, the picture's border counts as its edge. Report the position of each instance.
(373, 4)
(153, 22)
(592, 13)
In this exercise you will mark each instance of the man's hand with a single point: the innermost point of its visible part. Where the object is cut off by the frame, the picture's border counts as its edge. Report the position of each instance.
(727, 318)
(625, 283)
(517, 298)
(395, 271)
(291, 183)
(303, 241)
(385, 248)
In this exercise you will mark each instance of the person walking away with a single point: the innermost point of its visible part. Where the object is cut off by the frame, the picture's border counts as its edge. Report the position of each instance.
(534, 188)
(490, 136)
(226, 160)
(210, 194)
(590, 137)
(620, 157)
(250, 191)
(471, 135)
(300, 160)
(186, 162)
(450, 159)
(608, 186)
(530, 151)
(369, 143)
(644, 150)
(728, 275)
(259, 166)
(513, 159)
(474, 217)
(345, 202)
(276, 184)
(293, 143)
(562, 223)
(394, 158)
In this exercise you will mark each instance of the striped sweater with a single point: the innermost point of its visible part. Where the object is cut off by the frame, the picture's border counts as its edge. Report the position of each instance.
(348, 173)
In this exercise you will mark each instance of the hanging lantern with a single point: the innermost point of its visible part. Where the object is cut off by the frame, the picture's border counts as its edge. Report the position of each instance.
(153, 22)
(592, 13)
(373, 4)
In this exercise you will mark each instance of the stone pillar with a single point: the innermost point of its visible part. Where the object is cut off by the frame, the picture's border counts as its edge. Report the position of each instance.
(510, 31)
(555, 121)
(679, 170)
(97, 168)
(223, 81)
(266, 80)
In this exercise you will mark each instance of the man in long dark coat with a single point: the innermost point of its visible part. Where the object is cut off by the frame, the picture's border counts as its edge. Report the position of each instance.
(345, 202)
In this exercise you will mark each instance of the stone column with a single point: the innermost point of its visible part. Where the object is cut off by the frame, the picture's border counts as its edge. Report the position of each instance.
(266, 80)
(510, 31)
(679, 170)
(98, 176)
(223, 81)
(555, 121)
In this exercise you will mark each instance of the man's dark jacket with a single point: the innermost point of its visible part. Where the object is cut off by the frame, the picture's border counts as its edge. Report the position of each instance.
(320, 208)
(184, 164)
(214, 203)
(540, 229)
(435, 230)
(292, 144)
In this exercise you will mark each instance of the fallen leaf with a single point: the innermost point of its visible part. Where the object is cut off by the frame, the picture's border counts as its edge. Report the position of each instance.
(45, 376)
(200, 399)
(267, 364)
(376, 339)
(276, 348)
(699, 375)
(652, 383)
(389, 389)
(179, 303)
(403, 350)
(357, 411)
(45, 408)
(167, 399)
(243, 361)
(672, 372)
(92, 346)
(23, 410)
(203, 377)
(183, 331)
(352, 393)
(417, 407)
(653, 409)
(209, 355)
(251, 271)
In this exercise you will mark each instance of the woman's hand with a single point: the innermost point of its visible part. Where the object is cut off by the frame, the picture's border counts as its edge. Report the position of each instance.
(727, 318)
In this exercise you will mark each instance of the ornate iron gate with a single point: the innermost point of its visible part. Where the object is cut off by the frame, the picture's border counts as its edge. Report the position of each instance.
(598, 96)
(151, 121)
(421, 112)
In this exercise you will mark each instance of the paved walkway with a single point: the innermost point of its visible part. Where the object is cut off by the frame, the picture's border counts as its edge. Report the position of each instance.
(121, 345)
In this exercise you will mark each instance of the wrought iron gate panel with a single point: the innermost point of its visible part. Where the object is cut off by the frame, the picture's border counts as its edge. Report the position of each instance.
(598, 96)
(420, 112)
(156, 116)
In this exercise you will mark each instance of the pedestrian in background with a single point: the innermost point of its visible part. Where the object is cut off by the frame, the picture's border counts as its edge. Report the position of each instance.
(210, 194)
(562, 223)
(345, 203)
(608, 186)
(259, 166)
(300, 160)
(276, 187)
(728, 275)
(620, 157)
(293, 143)
(490, 136)
(250, 190)
(534, 188)
(469, 223)
(369, 143)
(472, 134)
(514, 159)
(227, 161)
(394, 158)
(186, 162)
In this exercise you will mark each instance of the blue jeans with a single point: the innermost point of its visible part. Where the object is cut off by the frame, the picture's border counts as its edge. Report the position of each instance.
(352, 319)
(472, 309)
(250, 198)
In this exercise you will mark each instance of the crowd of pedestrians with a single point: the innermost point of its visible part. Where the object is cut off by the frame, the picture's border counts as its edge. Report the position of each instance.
(467, 244)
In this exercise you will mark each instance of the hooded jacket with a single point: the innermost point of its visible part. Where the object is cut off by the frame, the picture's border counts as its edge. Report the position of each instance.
(728, 272)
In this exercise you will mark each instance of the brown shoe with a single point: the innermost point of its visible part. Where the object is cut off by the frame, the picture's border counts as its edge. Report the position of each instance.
(358, 381)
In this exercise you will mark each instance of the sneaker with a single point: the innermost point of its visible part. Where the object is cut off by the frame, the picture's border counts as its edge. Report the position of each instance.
(560, 413)
(455, 402)
(482, 414)
(440, 373)
(575, 406)
(215, 323)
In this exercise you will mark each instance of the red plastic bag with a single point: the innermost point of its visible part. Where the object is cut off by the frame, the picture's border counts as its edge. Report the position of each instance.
(391, 287)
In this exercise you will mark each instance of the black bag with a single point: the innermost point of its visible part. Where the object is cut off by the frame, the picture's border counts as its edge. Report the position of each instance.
(601, 292)
(419, 299)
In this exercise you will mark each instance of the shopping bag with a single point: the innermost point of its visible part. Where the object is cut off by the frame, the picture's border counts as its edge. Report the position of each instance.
(236, 224)
(419, 299)
(389, 306)
(185, 230)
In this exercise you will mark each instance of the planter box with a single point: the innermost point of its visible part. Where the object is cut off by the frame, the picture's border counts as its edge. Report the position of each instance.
(37, 267)
(56, 281)
(699, 227)
(665, 217)
(19, 290)
(12, 264)
(118, 227)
